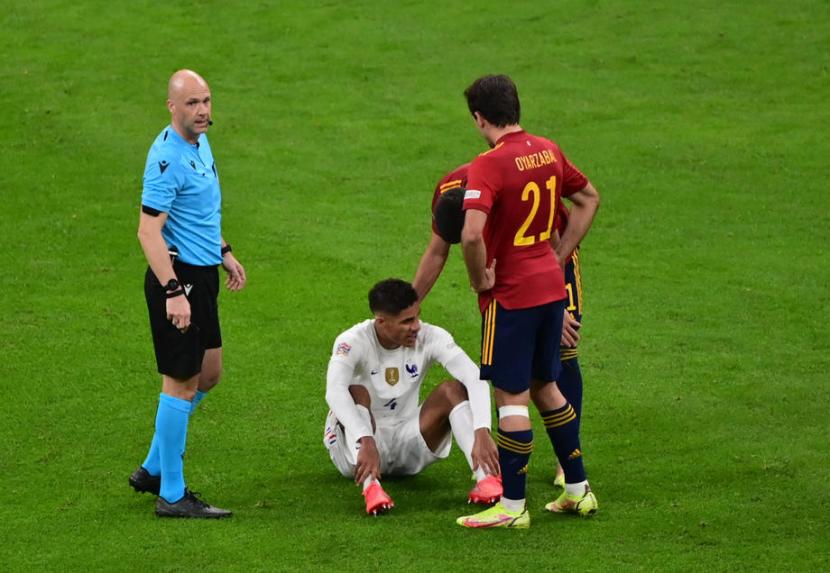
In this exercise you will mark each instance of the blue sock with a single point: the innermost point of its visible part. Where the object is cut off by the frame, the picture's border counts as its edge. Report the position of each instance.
(563, 429)
(570, 384)
(153, 463)
(514, 453)
(196, 399)
(171, 431)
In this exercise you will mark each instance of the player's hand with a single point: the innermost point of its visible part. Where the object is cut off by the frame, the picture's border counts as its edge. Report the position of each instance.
(489, 278)
(570, 330)
(368, 460)
(236, 272)
(485, 455)
(178, 312)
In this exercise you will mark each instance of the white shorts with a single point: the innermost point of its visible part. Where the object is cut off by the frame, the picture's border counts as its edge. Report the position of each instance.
(402, 448)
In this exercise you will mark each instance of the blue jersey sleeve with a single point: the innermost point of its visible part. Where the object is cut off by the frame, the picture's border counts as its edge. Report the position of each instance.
(163, 179)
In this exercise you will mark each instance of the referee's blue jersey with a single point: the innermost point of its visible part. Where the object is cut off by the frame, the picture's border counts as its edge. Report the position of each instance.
(180, 179)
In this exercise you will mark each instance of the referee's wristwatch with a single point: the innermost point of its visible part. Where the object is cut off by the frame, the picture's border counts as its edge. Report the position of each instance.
(173, 289)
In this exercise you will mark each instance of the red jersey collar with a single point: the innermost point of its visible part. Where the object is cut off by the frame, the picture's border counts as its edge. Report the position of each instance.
(517, 134)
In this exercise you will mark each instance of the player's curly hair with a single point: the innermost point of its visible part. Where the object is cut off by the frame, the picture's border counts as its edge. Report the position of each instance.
(496, 98)
(392, 296)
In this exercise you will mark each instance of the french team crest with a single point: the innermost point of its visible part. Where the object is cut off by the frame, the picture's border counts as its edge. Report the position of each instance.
(393, 376)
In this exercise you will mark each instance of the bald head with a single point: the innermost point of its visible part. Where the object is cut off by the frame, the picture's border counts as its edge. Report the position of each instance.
(189, 102)
(185, 80)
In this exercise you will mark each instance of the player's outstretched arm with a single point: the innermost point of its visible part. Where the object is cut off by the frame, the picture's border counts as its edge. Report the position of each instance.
(431, 265)
(585, 205)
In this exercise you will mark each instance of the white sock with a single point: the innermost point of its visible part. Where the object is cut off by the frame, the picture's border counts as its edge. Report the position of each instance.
(461, 422)
(514, 505)
(576, 488)
(369, 481)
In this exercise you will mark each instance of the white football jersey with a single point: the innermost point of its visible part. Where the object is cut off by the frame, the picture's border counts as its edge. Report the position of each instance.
(392, 377)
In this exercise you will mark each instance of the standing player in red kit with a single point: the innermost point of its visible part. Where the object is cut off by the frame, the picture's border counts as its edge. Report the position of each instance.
(510, 207)
(447, 222)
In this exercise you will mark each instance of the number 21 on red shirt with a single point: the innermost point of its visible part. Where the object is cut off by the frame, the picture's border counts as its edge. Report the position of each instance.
(532, 192)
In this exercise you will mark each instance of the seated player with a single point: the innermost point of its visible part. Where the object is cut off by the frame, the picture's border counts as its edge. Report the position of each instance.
(376, 426)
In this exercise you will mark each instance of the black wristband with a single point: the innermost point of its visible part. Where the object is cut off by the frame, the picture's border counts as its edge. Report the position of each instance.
(226, 249)
(174, 293)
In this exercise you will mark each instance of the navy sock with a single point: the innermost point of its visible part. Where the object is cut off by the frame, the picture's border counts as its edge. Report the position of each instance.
(563, 429)
(570, 384)
(514, 453)
(171, 431)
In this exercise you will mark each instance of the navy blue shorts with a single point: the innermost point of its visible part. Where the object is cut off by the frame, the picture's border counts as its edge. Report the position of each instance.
(573, 286)
(517, 345)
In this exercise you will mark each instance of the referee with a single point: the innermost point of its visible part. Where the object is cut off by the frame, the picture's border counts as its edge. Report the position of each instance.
(180, 234)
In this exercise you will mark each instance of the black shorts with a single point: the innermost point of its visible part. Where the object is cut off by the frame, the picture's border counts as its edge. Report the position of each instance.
(179, 354)
(517, 345)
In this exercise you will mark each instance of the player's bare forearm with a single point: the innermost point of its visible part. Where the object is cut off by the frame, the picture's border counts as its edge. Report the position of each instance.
(431, 265)
(475, 258)
(236, 272)
(154, 247)
(368, 461)
(485, 455)
(585, 205)
(475, 251)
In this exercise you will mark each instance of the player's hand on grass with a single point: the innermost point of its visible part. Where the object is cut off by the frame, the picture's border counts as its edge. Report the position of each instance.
(236, 272)
(570, 330)
(178, 312)
(368, 460)
(485, 455)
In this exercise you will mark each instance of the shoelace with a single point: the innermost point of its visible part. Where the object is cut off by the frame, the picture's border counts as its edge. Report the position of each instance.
(193, 495)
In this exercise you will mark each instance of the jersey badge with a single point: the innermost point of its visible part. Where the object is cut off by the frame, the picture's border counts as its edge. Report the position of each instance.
(412, 369)
(472, 194)
(343, 349)
(393, 376)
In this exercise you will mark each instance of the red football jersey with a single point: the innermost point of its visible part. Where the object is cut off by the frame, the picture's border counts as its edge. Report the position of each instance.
(518, 184)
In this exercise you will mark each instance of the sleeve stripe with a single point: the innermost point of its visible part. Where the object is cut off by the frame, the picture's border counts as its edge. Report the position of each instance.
(450, 185)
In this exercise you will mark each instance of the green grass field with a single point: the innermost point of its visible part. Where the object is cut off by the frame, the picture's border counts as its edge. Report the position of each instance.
(705, 349)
